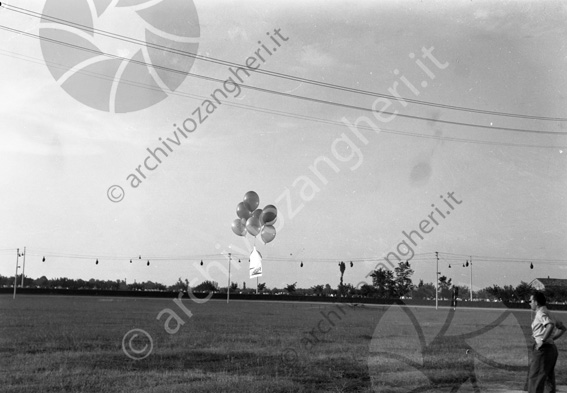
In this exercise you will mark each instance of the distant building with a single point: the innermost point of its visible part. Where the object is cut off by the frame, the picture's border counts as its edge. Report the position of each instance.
(551, 284)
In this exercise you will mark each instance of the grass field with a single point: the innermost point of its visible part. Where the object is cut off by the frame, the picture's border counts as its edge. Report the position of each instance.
(75, 344)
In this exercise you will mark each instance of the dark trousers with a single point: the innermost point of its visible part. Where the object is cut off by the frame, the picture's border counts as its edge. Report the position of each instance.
(542, 369)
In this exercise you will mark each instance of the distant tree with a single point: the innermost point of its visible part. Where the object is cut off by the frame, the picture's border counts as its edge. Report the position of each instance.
(464, 292)
(148, 286)
(303, 291)
(509, 293)
(383, 281)
(560, 295)
(261, 286)
(318, 290)
(367, 290)
(342, 268)
(494, 291)
(523, 291)
(233, 286)
(307, 291)
(403, 283)
(424, 291)
(290, 288)
(65, 283)
(328, 291)
(207, 286)
(28, 282)
(178, 286)
(135, 286)
(504, 294)
(41, 282)
(445, 284)
(483, 294)
(6, 281)
(121, 285)
(349, 290)
(555, 294)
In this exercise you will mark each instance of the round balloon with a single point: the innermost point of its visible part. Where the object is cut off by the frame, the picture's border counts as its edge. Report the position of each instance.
(239, 227)
(258, 214)
(253, 225)
(251, 200)
(269, 215)
(242, 211)
(268, 233)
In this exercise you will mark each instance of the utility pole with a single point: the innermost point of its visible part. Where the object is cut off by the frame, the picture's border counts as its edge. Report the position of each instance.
(437, 281)
(228, 288)
(16, 275)
(23, 268)
(471, 277)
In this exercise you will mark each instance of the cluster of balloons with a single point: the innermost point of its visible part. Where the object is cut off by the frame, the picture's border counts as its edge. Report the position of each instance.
(253, 220)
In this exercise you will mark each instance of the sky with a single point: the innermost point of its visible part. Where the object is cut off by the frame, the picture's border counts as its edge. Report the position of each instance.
(357, 120)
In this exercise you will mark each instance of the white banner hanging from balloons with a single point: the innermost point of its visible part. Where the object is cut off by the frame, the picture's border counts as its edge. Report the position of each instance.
(255, 264)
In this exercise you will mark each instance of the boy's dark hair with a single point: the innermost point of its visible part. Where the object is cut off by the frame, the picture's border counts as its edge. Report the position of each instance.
(539, 297)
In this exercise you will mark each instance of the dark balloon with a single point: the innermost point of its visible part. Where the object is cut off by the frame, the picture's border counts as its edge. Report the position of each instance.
(268, 233)
(258, 214)
(242, 211)
(253, 226)
(251, 200)
(269, 215)
(239, 227)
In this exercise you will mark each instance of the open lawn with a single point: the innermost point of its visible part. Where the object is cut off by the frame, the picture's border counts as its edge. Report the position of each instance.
(75, 344)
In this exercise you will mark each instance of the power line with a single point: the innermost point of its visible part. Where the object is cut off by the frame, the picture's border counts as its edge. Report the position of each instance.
(460, 257)
(428, 256)
(289, 95)
(275, 74)
(289, 114)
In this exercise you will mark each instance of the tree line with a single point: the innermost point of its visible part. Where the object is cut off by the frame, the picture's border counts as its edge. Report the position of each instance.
(386, 284)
